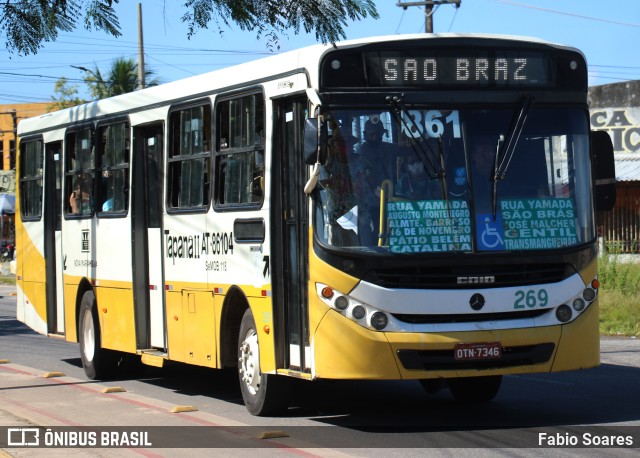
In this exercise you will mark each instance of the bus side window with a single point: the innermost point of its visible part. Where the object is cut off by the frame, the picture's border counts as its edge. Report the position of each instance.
(114, 154)
(189, 157)
(233, 182)
(80, 172)
(240, 145)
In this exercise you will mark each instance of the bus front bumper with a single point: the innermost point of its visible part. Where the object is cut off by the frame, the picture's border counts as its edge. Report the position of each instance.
(345, 350)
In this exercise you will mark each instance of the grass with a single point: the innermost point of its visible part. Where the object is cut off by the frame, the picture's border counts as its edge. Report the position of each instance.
(619, 298)
(7, 280)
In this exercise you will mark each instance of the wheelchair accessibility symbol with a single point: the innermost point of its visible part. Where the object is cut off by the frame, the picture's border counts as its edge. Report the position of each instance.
(490, 232)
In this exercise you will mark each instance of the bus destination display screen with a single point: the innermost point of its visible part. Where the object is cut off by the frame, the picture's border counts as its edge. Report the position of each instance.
(472, 65)
(402, 69)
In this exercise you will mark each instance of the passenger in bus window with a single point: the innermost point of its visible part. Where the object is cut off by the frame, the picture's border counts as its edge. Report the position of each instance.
(80, 199)
(107, 206)
(106, 192)
(338, 184)
(414, 183)
(376, 154)
(375, 159)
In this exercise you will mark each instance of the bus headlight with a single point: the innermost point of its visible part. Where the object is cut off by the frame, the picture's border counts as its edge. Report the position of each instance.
(563, 313)
(589, 294)
(379, 320)
(578, 304)
(356, 310)
(341, 303)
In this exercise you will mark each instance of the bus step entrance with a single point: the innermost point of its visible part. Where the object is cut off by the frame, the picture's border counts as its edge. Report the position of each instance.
(155, 358)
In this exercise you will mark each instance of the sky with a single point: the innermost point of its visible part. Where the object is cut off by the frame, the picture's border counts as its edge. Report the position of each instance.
(608, 33)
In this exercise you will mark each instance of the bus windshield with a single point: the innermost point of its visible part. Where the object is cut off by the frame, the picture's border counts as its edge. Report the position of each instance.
(432, 180)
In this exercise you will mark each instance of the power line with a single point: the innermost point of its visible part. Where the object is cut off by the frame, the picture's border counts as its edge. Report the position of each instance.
(455, 15)
(565, 13)
(40, 76)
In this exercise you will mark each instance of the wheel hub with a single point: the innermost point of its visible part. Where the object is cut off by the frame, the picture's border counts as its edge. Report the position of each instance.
(249, 362)
(88, 336)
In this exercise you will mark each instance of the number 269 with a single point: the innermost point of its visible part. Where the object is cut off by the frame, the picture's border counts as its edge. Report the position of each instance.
(531, 299)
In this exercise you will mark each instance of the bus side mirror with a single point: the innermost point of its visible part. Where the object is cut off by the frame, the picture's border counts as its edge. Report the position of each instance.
(314, 141)
(604, 170)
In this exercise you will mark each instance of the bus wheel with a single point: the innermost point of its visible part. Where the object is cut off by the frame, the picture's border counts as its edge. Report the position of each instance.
(97, 362)
(263, 394)
(475, 389)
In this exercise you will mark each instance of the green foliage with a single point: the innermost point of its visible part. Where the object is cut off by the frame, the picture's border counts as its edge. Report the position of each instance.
(67, 96)
(99, 15)
(623, 277)
(271, 17)
(121, 78)
(28, 23)
(619, 299)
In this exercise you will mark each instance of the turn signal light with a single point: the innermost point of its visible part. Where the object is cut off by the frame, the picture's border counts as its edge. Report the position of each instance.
(327, 292)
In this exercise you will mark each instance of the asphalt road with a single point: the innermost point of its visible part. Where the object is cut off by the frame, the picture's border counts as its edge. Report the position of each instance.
(329, 418)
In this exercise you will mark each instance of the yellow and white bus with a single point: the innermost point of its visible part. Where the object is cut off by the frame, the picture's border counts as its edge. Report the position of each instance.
(410, 207)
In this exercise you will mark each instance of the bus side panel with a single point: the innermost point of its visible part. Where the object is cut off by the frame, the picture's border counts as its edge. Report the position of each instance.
(70, 313)
(175, 331)
(191, 327)
(579, 346)
(261, 308)
(199, 328)
(32, 306)
(31, 301)
(117, 325)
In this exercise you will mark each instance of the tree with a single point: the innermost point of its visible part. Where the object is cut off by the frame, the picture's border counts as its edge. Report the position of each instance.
(121, 78)
(68, 96)
(27, 24)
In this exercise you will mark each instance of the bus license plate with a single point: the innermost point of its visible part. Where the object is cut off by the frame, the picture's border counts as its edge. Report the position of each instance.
(477, 351)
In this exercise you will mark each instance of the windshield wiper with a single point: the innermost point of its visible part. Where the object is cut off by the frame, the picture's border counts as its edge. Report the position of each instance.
(435, 171)
(508, 147)
(443, 182)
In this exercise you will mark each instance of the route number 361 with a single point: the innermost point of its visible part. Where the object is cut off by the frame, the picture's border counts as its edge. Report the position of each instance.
(433, 123)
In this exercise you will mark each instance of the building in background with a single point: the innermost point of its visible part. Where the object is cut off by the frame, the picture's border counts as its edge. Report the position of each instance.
(10, 116)
(616, 109)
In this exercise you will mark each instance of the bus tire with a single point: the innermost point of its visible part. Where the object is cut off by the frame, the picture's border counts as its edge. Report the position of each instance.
(475, 389)
(97, 362)
(263, 394)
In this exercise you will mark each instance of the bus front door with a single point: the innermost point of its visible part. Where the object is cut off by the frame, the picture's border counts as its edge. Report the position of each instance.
(146, 227)
(289, 239)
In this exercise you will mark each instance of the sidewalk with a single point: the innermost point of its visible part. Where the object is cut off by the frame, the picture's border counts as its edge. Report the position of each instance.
(32, 399)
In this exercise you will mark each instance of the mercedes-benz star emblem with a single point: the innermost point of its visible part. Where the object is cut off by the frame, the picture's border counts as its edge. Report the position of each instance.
(477, 301)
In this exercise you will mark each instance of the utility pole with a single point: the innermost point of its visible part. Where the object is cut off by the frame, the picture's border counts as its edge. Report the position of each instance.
(428, 9)
(141, 82)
